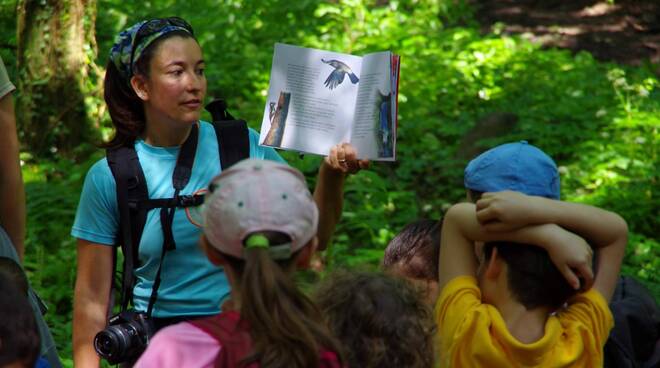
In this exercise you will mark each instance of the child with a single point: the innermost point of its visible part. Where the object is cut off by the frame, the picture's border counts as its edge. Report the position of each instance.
(381, 320)
(506, 311)
(413, 254)
(260, 223)
(19, 336)
(635, 339)
(14, 274)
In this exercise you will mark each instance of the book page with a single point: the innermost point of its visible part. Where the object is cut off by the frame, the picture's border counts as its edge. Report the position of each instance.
(396, 67)
(311, 99)
(374, 130)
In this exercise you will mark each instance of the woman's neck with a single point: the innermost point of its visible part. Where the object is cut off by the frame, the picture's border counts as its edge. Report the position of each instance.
(166, 135)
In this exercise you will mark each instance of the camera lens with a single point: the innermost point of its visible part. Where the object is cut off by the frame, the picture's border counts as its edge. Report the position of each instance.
(105, 344)
(124, 341)
(114, 342)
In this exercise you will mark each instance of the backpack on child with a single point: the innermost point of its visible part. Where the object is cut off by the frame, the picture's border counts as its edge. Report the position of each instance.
(233, 335)
(635, 339)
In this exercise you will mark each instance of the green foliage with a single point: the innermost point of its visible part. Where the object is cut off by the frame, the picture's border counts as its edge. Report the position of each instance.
(642, 261)
(598, 120)
(8, 43)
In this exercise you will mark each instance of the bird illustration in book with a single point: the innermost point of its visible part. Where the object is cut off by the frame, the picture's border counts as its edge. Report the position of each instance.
(384, 125)
(337, 76)
(271, 111)
(277, 114)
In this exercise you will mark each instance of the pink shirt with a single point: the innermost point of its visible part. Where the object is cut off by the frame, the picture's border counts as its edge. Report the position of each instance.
(180, 345)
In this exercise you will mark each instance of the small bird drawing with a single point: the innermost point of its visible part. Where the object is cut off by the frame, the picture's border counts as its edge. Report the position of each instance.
(337, 76)
(384, 125)
(271, 110)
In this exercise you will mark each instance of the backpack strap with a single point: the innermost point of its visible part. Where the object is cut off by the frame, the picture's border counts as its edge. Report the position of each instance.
(233, 141)
(232, 134)
(233, 336)
(131, 190)
(133, 196)
(133, 203)
(180, 178)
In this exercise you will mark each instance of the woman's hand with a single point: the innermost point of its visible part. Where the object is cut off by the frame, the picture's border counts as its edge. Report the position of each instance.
(329, 191)
(343, 157)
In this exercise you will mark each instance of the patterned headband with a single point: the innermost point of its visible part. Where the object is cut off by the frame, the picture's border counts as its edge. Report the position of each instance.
(131, 43)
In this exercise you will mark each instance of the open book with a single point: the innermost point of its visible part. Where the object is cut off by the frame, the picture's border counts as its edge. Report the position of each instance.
(318, 99)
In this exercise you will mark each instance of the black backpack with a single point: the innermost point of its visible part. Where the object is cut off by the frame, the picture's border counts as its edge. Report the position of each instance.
(133, 198)
(634, 342)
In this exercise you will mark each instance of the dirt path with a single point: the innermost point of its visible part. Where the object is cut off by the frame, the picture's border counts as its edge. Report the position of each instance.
(627, 31)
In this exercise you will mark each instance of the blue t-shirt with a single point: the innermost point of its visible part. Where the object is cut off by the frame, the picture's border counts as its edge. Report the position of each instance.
(190, 284)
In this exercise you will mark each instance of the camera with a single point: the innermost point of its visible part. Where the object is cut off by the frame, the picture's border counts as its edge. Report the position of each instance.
(125, 338)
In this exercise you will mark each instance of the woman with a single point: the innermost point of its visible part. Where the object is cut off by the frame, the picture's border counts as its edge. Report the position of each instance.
(155, 88)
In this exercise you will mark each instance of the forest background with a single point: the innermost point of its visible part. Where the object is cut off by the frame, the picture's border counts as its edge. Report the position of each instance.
(462, 91)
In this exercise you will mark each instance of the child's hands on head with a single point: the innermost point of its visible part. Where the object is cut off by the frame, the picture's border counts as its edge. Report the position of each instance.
(571, 254)
(343, 157)
(507, 210)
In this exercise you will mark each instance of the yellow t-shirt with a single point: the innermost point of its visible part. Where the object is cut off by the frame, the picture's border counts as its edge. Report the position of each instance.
(473, 334)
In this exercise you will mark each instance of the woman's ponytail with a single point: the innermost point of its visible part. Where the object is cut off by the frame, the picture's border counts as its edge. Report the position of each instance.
(125, 108)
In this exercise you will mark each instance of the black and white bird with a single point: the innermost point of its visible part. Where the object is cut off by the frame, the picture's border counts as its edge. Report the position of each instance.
(271, 110)
(337, 76)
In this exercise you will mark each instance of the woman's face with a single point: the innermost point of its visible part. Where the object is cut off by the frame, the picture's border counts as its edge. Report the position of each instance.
(175, 89)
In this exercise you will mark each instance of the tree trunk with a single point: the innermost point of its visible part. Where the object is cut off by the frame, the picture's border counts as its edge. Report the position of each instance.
(56, 47)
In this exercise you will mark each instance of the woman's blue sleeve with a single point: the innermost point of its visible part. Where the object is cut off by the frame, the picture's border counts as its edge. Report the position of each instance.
(97, 217)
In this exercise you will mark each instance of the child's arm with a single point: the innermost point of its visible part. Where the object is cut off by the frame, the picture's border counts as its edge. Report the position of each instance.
(606, 231)
(461, 229)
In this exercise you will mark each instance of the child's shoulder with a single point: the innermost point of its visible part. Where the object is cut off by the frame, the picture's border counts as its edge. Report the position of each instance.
(459, 284)
(588, 310)
(591, 297)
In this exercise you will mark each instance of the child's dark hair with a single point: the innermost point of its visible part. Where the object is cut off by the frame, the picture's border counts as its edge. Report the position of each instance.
(15, 273)
(532, 277)
(475, 195)
(380, 319)
(19, 336)
(125, 107)
(420, 239)
(287, 328)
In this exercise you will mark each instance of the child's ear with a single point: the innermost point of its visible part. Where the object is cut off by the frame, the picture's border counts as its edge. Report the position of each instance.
(494, 266)
(212, 254)
(306, 253)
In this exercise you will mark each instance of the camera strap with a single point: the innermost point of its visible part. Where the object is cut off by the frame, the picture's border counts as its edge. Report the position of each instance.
(180, 179)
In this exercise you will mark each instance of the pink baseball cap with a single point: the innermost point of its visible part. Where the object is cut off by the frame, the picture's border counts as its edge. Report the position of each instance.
(259, 195)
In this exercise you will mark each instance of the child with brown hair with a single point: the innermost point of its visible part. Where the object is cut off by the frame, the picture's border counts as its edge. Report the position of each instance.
(520, 166)
(413, 254)
(381, 320)
(19, 335)
(508, 307)
(260, 223)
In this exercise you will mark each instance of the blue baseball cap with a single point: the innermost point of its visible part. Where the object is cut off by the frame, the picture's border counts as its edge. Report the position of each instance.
(514, 166)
